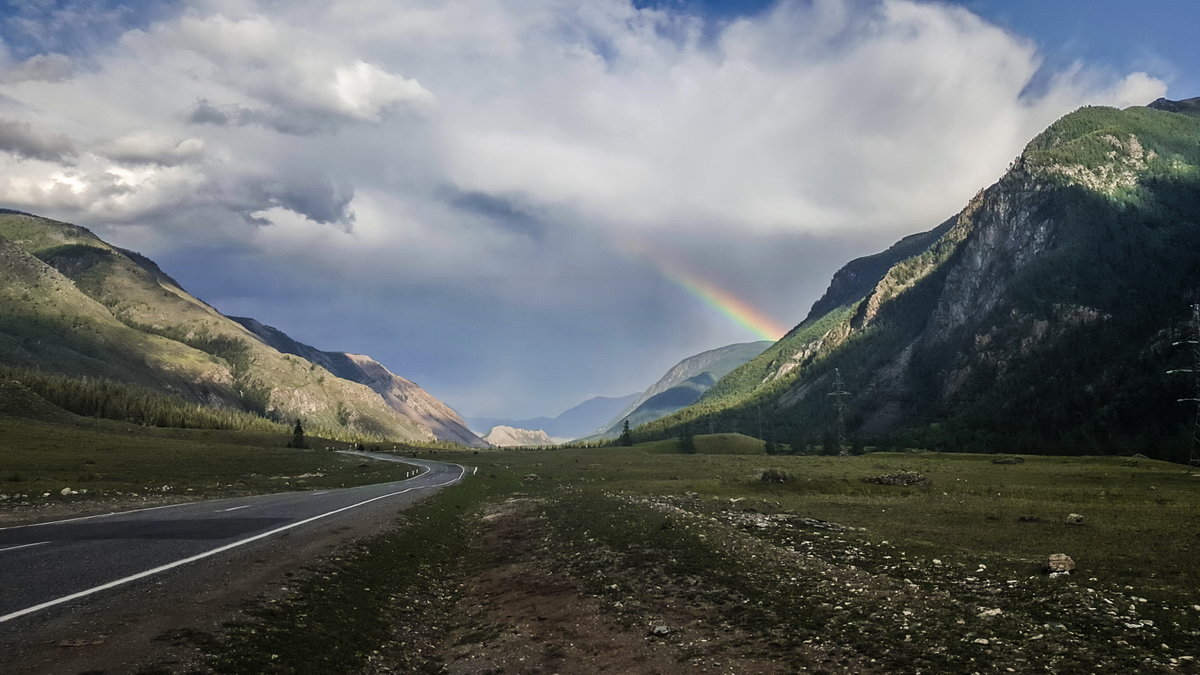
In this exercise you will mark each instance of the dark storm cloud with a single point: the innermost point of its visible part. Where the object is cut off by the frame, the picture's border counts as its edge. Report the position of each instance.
(499, 211)
(24, 140)
(293, 123)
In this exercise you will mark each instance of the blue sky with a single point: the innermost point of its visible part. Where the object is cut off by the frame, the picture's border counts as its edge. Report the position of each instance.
(1158, 36)
(484, 196)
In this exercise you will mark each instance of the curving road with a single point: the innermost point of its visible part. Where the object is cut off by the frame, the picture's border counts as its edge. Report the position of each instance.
(54, 564)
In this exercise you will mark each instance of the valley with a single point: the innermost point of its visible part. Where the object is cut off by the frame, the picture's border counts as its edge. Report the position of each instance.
(977, 450)
(652, 560)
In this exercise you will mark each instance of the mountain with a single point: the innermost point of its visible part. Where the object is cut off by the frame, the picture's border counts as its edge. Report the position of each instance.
(577, 422)
(508, 437)
(73, 304)
(403, 396)
(1041, 318)
(684, 384)
(1189, 106)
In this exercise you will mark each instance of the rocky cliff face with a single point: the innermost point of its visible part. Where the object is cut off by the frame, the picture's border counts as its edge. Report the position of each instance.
(439, 420)
(1034, 315)
(410, 400)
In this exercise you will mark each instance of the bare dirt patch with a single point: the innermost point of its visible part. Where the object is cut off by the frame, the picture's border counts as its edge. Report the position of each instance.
(523, 614)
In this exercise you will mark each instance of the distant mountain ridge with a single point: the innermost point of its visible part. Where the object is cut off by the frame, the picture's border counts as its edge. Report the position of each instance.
(576, 422)
(76, 305)
(684, 383)
(1041, 318)
(404, 396)
(508, 437)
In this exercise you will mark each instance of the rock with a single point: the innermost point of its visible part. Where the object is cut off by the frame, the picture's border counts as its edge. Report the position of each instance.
(531, 478)
(989, 613)
(67, 492)
(1074, 519)
(660, 631)
(1060, 563)
(982, 641)
(902, 478)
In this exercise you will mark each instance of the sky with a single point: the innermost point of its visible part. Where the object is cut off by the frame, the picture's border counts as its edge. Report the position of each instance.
(523, 204)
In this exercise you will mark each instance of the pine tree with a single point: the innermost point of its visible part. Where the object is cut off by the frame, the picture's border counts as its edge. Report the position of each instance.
(687, 442)
(297, 436)
(626, 437)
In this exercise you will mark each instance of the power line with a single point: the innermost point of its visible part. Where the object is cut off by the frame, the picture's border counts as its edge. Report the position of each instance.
(1194, 343)
(839, 395)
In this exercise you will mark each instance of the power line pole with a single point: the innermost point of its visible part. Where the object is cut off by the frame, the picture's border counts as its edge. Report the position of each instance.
(1193, 341)
(839, 395)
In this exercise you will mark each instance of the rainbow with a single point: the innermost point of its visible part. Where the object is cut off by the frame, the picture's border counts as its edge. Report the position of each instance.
(718, 298)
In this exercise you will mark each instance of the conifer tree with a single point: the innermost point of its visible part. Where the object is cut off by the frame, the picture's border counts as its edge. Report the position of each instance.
(626, 436)
(297, 436)
(687, 442)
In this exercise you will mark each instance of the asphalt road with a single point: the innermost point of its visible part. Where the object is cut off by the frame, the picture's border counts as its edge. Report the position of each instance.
(65, 562)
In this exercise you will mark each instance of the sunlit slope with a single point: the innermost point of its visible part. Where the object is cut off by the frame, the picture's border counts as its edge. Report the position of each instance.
(75, 304)
(1040, 318)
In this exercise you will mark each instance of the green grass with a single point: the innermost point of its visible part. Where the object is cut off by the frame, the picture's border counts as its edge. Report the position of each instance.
(372, 600)
(646, 528)
(709, 444)
(969, 509)
(106, 461)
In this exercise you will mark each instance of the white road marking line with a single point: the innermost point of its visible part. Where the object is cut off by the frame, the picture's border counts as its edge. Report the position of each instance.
(13, 548)
(322, 492)
(98, 515)
(234, 508)
(220, 549)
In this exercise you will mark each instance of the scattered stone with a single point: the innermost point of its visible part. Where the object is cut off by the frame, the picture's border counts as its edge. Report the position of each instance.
(1059, 563)
(989, 613)
(901, 478)
(67, 492)
(660, 631)
(982, 641)
(774, 476)
(531, 478)
(1074, 519)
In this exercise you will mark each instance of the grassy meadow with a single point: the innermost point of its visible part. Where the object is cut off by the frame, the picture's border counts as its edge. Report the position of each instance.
(824, 571)
(1141, 516)
(110, 463)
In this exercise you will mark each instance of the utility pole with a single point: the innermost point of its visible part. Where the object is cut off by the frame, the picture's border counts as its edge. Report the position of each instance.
(1193, 341)
(839, 395)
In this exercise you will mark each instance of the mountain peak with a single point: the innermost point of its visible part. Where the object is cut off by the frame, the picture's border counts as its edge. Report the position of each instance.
(1187, 105)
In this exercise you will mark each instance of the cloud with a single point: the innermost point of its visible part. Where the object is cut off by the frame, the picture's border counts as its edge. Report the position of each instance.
(24, 140)
(151, 148)
(290, 70)
(474, 169)
(38, 68)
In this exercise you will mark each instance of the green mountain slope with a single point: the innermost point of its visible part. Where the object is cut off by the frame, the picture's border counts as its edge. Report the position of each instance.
(402, 395)
(1039, 319)
(73, 304)
(683, 384)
